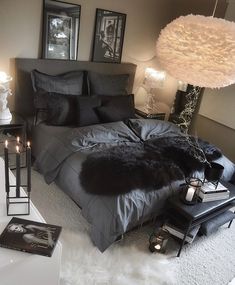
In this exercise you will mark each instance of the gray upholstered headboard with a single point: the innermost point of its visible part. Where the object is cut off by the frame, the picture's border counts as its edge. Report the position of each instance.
(21, 68)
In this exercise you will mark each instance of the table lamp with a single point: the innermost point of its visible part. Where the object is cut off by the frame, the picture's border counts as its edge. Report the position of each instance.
(5, 114)
(153, 79)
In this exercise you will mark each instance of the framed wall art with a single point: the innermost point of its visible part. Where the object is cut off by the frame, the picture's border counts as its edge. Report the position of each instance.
(108, 36)
(61, 22)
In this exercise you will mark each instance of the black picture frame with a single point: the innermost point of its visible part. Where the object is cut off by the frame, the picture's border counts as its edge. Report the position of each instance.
(61, 24)
(108, 36)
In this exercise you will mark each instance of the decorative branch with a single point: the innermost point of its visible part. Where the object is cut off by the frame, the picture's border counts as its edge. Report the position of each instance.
(186, 115)
(196, 150)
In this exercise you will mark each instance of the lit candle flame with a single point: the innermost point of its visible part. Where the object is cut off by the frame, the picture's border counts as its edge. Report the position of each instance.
(18, 139)
(157, 246)
(17, 149)
(28, 144)
(6, 143)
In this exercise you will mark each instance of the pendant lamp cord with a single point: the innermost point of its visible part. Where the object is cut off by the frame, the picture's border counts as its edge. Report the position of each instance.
(216, 3)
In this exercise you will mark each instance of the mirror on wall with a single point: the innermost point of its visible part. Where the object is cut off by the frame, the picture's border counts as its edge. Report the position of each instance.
(61, 22)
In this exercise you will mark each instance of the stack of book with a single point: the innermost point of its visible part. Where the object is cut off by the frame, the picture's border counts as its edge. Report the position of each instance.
(209, 192)
(179, 233)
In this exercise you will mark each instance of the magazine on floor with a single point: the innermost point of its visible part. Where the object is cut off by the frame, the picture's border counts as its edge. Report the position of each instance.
(30, 236)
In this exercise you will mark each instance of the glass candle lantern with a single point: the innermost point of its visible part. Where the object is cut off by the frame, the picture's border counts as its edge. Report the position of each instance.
(158, 241)
(195, 183)
(190, 190)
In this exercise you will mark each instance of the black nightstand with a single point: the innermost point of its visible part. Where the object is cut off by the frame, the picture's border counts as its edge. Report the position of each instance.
(140, 113)
(10, 131)
(189, 216)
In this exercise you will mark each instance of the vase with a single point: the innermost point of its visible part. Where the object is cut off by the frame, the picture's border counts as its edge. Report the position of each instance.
(213, 173)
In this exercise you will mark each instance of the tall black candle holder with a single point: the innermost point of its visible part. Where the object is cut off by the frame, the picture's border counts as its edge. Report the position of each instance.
(17, 197)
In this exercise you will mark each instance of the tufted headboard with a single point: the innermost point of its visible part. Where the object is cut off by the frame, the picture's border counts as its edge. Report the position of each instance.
(22, 87)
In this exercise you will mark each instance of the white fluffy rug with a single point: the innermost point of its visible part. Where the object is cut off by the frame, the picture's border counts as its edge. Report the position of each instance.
(121, 264)
(209, 260)
(126, 262)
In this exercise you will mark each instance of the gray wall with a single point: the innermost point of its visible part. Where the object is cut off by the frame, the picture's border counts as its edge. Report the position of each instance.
(216, 133)
(202, 7)
(217, 120)
(219, 105)
(21, 27)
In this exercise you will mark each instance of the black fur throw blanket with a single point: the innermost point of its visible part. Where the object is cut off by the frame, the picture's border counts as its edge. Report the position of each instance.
(148, 166)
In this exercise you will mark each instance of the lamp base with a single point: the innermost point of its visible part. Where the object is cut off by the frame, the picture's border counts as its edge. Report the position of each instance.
(151, 104)
(5, 116)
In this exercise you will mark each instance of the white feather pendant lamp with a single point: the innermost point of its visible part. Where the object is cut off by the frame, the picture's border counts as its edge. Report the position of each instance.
(199, 50)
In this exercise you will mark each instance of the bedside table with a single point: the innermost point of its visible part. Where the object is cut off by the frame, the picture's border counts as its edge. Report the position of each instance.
(189, 216)
(141, 113)
(9, 131)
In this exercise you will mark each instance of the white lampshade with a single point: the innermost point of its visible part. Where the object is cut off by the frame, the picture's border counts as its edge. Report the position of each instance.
(154, 78)
(199, 50)
(4, 78)
(5, 114)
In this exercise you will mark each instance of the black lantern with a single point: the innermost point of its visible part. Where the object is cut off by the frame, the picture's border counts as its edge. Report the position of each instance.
(158, 240)
(190, 191)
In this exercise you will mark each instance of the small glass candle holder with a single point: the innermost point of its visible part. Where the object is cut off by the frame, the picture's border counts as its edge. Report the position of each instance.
(195, 183)
(158, 240)
(190, 191)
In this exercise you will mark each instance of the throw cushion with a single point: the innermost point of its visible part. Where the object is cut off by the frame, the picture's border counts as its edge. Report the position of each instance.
(116, 108)
(69, 83)
(87, 114)
(104, 84)
(61, 109)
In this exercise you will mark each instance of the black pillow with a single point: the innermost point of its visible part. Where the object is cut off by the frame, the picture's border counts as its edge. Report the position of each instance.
(40, 99)
(61, 109)
(116, 108)
(69, 83)
(87, 114)
(106, 84)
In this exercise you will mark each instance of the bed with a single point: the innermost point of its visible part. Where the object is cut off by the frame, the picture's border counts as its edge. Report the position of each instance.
(80, 160)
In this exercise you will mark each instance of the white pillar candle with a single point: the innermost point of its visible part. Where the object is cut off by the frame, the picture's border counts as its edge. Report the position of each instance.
(189, 195)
